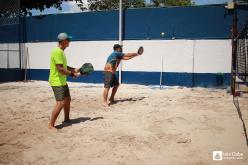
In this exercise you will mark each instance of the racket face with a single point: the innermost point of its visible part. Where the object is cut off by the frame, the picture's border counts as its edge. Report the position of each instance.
(140, 50)
(86, 68)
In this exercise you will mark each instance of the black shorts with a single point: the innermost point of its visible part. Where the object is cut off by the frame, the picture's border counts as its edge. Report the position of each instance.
(61, 92)
(110, 80)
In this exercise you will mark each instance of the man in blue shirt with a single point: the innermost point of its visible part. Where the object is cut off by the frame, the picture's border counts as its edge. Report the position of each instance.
(110, 79)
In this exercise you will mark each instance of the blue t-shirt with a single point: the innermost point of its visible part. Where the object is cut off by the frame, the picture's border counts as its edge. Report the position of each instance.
(114, 58)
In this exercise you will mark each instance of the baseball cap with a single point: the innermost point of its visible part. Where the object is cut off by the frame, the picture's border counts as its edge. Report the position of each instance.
(116, 46)
(64, 36)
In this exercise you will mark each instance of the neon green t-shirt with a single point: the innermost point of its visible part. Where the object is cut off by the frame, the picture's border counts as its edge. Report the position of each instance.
(55, 77)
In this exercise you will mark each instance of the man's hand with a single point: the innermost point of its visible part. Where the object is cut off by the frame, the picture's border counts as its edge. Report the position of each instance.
(77, 70)
(75, 75)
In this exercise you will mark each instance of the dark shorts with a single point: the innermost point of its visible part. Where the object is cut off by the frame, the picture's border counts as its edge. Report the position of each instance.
(110, 80)
(61, 92)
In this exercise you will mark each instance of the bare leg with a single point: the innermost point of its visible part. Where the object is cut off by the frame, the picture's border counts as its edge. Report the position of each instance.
(105, 97)
(55, 113)
(114, 90)
(67, 109)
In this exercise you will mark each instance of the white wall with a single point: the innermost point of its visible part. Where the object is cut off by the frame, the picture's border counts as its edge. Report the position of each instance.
(9, 55)
(213, 56)
(177, 55)
(208, 56)
(77, 53)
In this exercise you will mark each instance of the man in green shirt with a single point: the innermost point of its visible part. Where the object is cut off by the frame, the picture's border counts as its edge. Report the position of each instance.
(58, 79)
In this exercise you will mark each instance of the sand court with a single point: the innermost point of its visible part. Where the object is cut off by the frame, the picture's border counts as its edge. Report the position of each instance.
(145, 126)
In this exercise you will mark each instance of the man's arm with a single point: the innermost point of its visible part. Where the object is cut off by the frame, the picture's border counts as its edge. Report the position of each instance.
(75, 70)
(66, 72)
(129, 56)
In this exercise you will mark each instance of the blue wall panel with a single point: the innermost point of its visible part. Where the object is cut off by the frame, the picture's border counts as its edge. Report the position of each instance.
(211, 80)
(9, 34)
(153, 78)
(43, 74)
(197, 22)
(11, 75)
(180, 22)
(148, 78)
(12, 31)
(242, 16)
(177, 79)
(82, 26)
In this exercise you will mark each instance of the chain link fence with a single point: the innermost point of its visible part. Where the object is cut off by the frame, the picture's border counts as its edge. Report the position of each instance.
(12, 62)
(242, 55)
(11, 34)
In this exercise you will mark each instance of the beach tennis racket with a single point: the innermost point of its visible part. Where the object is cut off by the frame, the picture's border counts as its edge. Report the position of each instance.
(86, 69)
(140, 50)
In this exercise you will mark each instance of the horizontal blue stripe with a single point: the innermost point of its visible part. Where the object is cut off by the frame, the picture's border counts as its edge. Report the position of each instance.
(177, 79)
(7, 75)
(149, 78)
(43, 74)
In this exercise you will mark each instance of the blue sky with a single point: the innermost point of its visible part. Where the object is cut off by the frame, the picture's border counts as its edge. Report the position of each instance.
(71, 7)
(67, 7)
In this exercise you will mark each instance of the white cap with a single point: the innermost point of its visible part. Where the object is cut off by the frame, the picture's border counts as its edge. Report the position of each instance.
(64, 36)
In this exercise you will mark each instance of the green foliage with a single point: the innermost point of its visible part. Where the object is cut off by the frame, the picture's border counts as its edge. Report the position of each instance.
(95, 5)
(25, 6)
(158, 3)
(9, 7)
